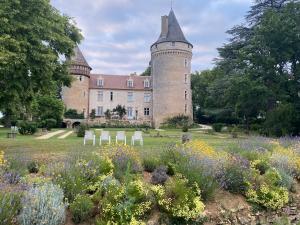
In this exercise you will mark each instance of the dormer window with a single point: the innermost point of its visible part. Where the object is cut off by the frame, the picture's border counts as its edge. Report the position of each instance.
(146, 83)
(130, 83)
(100, 82)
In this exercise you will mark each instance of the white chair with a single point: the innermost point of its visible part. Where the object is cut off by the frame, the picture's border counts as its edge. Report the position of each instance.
(14, 129)
(137, 136)
(104, 137)
(121, 137)
(89, 135)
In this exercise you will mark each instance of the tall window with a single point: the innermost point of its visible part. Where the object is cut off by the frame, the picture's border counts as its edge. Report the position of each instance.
(130, 83)
(185, 108)
(147, 111)
(130, 112)
(81, 78)
(100, 82)
(185, 95)
(146, 83)
(186, 63)
(147, 97)
(185, 78)
(99, 111)
(100, 96)
(130, 96)
(111, 96)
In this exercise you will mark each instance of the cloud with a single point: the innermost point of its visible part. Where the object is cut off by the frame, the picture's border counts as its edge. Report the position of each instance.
(119, 33)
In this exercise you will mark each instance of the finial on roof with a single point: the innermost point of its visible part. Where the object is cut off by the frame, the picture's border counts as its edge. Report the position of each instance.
(171, 4)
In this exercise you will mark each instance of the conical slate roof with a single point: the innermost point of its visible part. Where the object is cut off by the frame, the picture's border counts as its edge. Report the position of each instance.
(175, 33)
(78, 58)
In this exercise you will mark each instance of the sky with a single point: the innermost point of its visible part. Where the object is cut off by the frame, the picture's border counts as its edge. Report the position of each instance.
(118, 33)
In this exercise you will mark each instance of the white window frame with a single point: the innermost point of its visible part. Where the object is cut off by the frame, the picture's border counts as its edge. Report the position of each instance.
(100, 111)
(130, 96)
(100, 82)
(130, 112)
(130, 83)
(147, 97)
(100, 96)
(146, 83)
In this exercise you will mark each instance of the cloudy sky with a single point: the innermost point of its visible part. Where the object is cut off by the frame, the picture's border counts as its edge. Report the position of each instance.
(118, 33)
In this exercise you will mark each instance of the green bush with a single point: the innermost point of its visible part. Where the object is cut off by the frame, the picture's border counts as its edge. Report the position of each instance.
(185, 129)
(10, 205)
(81, 130)
(218, 127)
(179, 121)
(81, 208)
(49, 124)
(235, 179)
(150, 163)
(72, 114)
(43, 205)
(33, 167)
(179, 199)
(27, 128)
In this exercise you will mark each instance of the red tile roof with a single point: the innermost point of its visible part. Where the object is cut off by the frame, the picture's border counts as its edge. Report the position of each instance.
(119, 82)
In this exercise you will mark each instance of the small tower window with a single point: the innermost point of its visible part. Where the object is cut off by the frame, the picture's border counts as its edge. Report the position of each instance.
(146, 83)
(186, 63)
(80, 78)
(185, 95)
(185, 78)
(111, 96)
(185, 108)
(130, 83)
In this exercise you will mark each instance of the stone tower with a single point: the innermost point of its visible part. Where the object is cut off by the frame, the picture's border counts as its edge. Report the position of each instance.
(77, 96)
(171, 57)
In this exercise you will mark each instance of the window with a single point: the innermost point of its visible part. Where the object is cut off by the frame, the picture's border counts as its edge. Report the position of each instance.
(100, 82)
(186, 63)
(147, 111)
(147, 97)
(84, 94)
(173, 43)
(130, 112)
(185, 108)
(185, 78)
(185, 95)
(100, 96)
(130, 96)
(130, 83)
(146, 83)
(111, 96)
(99, 111)
(81, 78)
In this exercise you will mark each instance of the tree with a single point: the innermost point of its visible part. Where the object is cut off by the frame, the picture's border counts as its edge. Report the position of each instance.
(34, 39)
(107, 114)
(120, 110)
(93, 114)
(73, 114)
(147, 72)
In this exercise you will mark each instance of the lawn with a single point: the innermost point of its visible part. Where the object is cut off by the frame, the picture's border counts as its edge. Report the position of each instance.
(56, 148)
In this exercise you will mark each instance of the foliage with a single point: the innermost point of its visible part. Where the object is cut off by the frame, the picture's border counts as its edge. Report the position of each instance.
(159, 176)
(49, 124)
(43, 205)
(9, 207)
(185, 129)
(81, 130)
(217, 127)
(72, 114)
(93, 114)
(179, 199)
(179, 121)
(33, 167)
(264, 189)
(2, 159)
(81, 208)
(150, 163)
(27, 128)
(121, 204)
(147, 72)
(107, 114)
(120, 110)
(30, 64)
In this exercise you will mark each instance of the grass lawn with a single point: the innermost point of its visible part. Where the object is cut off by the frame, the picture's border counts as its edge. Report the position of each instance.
(54, 148)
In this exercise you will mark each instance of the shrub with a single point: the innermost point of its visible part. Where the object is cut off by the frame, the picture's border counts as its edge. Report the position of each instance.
(265, 189)
(49, 123)
(43, 205)
(33, 167)
(27, 128)
(81, 130)
(179, 199)
(150, 163)
(9, 207)
(121, 204)
(72, 114)
(217, 127)
(81, 208)
(179, 121)
(159, 176)
(185, 129)
(12, 177)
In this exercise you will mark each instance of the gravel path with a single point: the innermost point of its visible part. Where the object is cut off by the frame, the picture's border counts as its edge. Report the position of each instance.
(65, 135)
(50, 135)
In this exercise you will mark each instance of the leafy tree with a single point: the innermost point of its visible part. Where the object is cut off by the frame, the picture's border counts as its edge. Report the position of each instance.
(72, 114)
(107, 114)
(34, 39)
(93, 114)
(120, 110)
(147, 72)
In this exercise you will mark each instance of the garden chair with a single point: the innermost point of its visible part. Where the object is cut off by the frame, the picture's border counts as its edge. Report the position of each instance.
(104, 137)
(121, 137)
(137, 136)
(14, 129)
(89, 135)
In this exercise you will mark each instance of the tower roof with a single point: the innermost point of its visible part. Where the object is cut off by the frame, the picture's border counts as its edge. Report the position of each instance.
(78, 58)
(175, 33)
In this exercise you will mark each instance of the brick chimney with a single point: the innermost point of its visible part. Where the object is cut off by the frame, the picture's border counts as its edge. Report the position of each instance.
(164, 26)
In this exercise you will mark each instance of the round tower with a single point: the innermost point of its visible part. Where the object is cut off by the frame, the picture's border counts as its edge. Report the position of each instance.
(77, 96)
(171, 57)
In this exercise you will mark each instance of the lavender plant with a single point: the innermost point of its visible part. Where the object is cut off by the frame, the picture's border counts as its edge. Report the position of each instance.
(9, 207)
(43, 205)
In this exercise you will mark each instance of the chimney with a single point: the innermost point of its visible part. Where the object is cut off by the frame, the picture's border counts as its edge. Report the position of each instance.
(164, 26)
